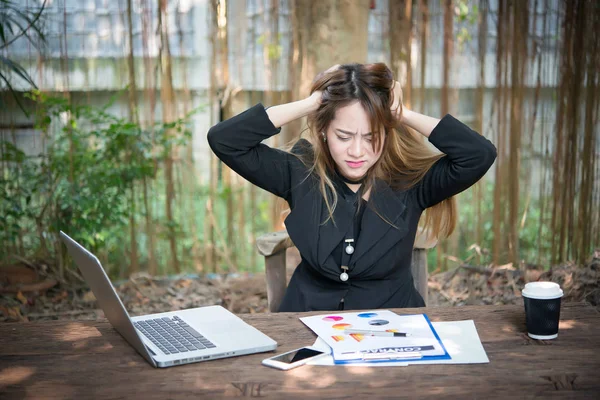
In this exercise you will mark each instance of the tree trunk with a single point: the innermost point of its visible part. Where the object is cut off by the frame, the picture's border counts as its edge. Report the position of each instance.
(479, 187)
(574, 116)
(447, 54)
(150, 94)
(445, 100)
(400, 22)
(134, 118)
(226, 107)
(520, 16)
(542, 59)
(325, 33)
(424, 36)
(189, 172)
(271, 68)
(210, 241)
(568, 122)
(252, 203)
(497, 221)
(169, 115)
(558, 149)
(588, 176)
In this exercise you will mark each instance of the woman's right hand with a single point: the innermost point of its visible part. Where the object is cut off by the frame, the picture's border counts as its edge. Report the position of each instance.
(316, 99)
(317, 96)
(397, 105)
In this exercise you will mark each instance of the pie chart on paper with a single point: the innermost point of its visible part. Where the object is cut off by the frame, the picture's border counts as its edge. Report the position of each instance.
(367, 315)
(379, 322)
(341, 327)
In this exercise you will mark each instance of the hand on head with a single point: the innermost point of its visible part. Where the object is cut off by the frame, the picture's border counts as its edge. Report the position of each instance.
(378, 79)
(317, 95)
(397, 105)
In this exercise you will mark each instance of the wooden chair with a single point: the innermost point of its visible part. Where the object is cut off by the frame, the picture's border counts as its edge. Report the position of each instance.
(273, 247)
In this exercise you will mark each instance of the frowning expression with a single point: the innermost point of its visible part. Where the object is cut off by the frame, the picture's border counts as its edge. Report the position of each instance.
(349, 139)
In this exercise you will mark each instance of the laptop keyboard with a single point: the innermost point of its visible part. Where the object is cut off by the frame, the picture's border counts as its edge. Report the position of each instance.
(173, 335)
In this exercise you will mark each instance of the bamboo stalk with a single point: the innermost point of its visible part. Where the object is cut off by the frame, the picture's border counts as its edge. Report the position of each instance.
(133, 116)
(585, 220)
(498, 198)
(595, 163)
(447, 54)
(150, 95)
(558, 148)
(520, 16)
(424, 7)
(254, 95)
(210, 250)
(400, 37)
(227, 110)
(168, 107)
(189, 170)
(479, 99)
(575, 72)
(542, 75)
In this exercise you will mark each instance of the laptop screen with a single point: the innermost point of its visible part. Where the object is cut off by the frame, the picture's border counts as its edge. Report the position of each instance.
(105, 293)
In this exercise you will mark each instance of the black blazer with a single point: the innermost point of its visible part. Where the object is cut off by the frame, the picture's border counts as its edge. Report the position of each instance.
(380, 275)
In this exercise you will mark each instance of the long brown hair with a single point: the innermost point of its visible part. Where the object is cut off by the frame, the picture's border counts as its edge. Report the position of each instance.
(405, 158)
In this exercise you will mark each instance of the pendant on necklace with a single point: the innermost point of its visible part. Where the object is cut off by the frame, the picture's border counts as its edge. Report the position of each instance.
(344, 275)
(349, 247)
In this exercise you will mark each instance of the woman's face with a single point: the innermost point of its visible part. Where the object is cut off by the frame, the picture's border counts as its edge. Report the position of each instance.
(349, 141)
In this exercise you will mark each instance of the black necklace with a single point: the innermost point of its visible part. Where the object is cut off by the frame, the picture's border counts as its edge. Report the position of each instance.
(351, 182)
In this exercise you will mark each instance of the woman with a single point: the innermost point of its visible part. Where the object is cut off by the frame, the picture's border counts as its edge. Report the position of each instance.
(357, 186)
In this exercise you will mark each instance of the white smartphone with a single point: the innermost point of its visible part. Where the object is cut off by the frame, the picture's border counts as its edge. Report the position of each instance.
(294, 358)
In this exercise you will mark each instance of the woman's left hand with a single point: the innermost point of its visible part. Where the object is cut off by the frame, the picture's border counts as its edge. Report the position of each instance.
(397, 105)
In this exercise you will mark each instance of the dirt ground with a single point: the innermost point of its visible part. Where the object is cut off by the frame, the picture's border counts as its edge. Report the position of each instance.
(26, 298)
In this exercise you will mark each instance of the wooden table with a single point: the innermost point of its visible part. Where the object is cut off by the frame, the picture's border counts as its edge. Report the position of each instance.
(89, 359)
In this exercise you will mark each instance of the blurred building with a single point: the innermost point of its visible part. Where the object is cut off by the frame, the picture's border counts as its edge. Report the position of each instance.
(87, 55)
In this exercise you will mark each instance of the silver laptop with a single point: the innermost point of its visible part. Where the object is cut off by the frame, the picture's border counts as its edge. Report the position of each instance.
(170, 338)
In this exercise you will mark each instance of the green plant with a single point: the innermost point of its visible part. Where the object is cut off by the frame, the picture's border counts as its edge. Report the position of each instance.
(466, 19)
(534, 236)
(80, 183)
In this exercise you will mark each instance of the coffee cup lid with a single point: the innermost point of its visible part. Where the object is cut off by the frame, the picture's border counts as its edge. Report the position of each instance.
(542, 290)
